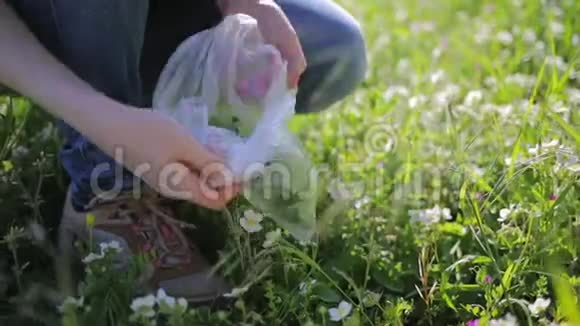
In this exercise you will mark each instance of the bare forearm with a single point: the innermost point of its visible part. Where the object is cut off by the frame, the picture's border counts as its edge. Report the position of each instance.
(28, 68)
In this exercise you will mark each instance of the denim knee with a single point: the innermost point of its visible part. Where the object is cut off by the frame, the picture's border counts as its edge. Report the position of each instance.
(335, 51)
(343, 71)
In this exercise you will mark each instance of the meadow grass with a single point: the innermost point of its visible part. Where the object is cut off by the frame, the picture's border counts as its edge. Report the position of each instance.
(450, 189)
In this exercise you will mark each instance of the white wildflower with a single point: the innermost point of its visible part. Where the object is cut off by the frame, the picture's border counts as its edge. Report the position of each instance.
(539, 47)
(404, 65)
(507, 320)
(483, 34)
(182, 302)
(114, 246)
(574, 168)
(557, 11)
(164, 299)
(271, 238)
(529, 36)
(447, 95)
(417, 100)
(437, 76)
(422, 26)
(473, 97)
(576, 39)
(338, 191)
(395, 91)
(71, 302)
(557, 29)
(361, 202)
(544, 147)
(490, 81)
(340, 312)
(92, 257)
(430, 216)
(236, 292)
(539, 306)
(524, 81)
(436, 53)
(556, 62)
(559, 107)
(505, 110)
(251, 221)
(401, 15)
(506, 213)
(444, 213)
(574, 96)
(143, 306)
(304, 287)
(371, 298)
(505, 37)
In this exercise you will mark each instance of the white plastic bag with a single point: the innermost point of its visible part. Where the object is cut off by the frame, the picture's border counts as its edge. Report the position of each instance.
(229, 89)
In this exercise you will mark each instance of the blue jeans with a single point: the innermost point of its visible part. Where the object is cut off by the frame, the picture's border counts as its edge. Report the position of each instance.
(121, 46)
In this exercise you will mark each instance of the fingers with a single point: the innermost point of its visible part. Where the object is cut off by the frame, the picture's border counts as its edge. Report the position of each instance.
(291, 51)
(296, 68)
(196, 155)
(278, 31)
(182, 183)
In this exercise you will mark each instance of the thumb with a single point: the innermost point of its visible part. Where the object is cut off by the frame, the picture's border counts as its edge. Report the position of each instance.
(295, 70)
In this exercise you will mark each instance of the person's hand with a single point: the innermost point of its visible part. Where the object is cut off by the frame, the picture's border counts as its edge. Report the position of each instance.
(276, 30)
(154, 147)
(161, 152)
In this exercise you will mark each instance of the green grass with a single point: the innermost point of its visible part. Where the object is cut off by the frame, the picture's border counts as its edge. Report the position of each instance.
(449, 115)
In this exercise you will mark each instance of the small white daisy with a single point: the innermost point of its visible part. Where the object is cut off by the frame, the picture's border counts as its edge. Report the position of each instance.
(92, 257)
(143, 306)
(417, 100)
(164, 299)
(505, 37)
(71, 302)
(236, 292)
(338, 191)
(557, 28)
(305, 287)
(507, 320)
(251, 221)
(271, 238)
(539, 306)
(110, 246)
(395, 91)
(437, 76)
(505, 213)
(342, 311)
(529, 36)
(473, 97)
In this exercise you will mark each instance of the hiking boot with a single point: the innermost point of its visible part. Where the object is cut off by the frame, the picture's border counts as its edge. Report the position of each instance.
(146, 226)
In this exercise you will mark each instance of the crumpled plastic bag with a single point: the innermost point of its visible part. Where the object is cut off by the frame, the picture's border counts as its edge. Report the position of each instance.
(228, 88)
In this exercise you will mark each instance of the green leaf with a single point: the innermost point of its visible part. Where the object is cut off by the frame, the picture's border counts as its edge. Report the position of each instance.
(482, 260)
(381, 278)
(353, 320)
(326, 293)
(567, 299)
(449, 301)
(7, 166)
(453, 228)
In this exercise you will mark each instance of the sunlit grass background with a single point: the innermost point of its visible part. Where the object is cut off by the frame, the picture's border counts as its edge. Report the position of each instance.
(453, 186)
